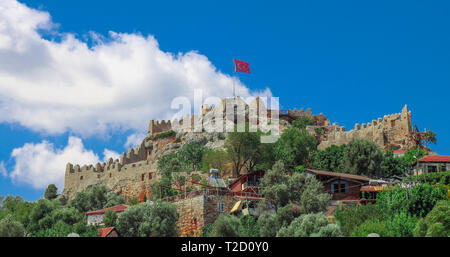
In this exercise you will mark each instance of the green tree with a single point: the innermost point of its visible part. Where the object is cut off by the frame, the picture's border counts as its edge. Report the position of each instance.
(17, 207)
(248, 226)
(303, 122)
(314, 224)
(51, 192)
(95, 198)
(349, 217)
(280, 189)
(149, 219)
(393, 165)
(243, 149)
(214, 159)
(225, 226)
(191, 154)
(402, 224)
(169, 163)
(294, 147)
(270, 224)
(436, 223)
(163, 188)
(418, 201)
(363, 157)
(110, 218)
(330, 159)
(372, 226)
(413, 155)
(40, 217)
(9, 227)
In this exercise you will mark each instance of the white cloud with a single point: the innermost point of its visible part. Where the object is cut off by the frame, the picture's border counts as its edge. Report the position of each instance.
(110, 154)
(42, 164)
(134, 140)
(120, 83)
(3, 171)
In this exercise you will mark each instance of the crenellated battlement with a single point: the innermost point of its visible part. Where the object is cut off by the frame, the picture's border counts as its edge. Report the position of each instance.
(157, 126)
(392, 129)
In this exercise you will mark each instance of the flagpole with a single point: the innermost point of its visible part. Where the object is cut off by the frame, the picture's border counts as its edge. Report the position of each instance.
(234, 78)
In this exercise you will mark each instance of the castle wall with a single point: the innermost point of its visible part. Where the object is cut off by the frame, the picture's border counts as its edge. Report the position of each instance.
(391, 130)
(130, 179)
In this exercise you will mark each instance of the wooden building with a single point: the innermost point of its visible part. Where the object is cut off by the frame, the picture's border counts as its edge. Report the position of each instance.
(341, 186)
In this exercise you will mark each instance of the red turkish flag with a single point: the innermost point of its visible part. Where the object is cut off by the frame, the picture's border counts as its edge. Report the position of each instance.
(241, 66)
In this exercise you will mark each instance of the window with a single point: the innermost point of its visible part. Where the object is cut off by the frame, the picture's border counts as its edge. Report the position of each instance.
(443, 168)
(392, 123)
(220, 206)
(110, 174)
(432, 168)
(143, 176)
(339, 187)
(81, 178)
(149, 176)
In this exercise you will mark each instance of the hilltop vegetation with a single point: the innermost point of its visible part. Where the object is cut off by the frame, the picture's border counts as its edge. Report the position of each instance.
(298, 201)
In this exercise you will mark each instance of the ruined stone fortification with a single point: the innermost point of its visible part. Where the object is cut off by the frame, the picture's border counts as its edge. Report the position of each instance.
(391, 131)
(136, 170)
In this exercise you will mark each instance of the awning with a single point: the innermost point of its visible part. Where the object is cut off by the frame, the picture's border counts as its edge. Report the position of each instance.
(236, 206)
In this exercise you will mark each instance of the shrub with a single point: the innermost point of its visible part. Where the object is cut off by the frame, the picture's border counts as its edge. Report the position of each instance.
(165, 134)
(149, 219)
(432, 178)
(11, 228)
(437, 221)
(225, 226)
(248, 226)
(352, 216)
(110, 218)
(314, 224)
(372, 226)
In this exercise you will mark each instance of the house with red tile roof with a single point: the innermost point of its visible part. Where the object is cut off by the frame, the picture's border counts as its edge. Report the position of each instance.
(431, 163)
(107, 232)
(96, 217)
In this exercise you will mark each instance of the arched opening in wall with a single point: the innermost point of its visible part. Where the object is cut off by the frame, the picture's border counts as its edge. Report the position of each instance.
(110, 174)
(143, 176)
(149, 176)
(81, 178)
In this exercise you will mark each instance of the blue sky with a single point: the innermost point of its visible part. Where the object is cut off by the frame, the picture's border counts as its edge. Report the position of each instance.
(353, 61)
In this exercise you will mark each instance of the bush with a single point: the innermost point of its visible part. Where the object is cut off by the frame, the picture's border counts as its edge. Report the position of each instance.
(330, 159)
(249, 226)
(95, 198)
(206, 230)
(363, 157)
(436, 223)
(269, 225)
(352, 216)
(432, 178)
(418, 201)
(402, 224)
(110, 218)
(225, 226)
(50, 192)
(314, 224)
(149, 219)
(11, 228)
(165, 134)
(372, 226)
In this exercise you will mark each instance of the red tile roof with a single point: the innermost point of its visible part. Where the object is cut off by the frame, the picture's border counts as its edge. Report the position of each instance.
(104, 232)
(400, 151)
(117, 208)
(430, 158)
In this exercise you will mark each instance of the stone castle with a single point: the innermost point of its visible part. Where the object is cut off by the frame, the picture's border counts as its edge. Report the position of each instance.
(135, 171)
